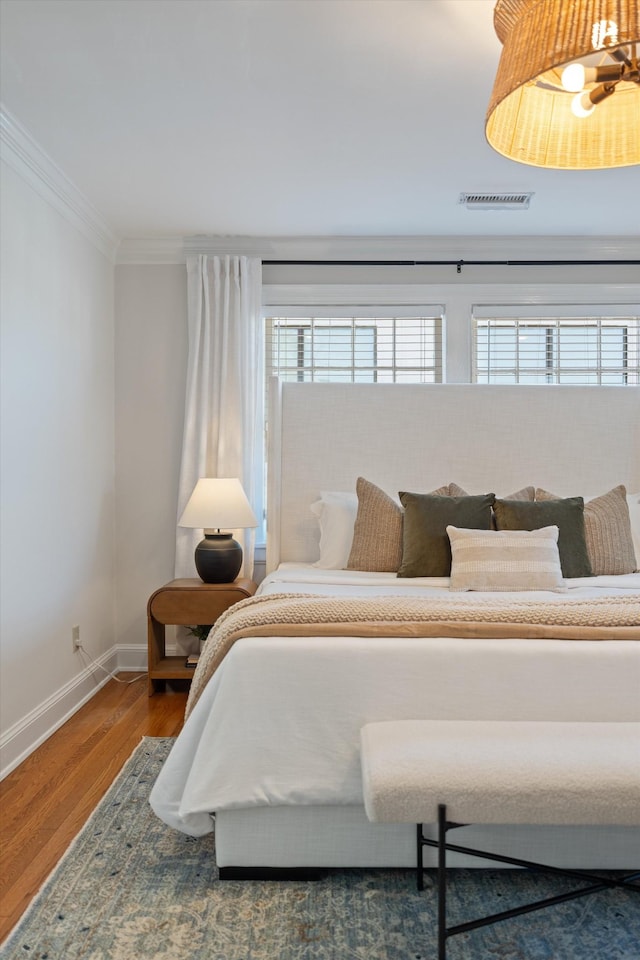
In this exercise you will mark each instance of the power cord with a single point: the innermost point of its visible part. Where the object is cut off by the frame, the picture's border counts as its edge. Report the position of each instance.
(94, 663)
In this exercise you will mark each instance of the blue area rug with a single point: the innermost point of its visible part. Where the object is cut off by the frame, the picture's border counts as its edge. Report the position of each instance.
(130, 888)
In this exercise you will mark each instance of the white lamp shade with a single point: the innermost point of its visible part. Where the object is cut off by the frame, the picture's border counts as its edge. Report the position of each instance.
(218, 504)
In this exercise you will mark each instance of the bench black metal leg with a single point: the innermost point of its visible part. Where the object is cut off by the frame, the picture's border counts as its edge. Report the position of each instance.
(441, 844)
(442, 882)
(596, 882)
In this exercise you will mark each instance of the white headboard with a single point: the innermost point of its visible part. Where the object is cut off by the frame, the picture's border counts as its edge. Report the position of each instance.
(574, 441)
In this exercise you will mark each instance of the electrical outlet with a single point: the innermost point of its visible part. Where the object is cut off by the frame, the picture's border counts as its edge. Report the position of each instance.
(75, 637)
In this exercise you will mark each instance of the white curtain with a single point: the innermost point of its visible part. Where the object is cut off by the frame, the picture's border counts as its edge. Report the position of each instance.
(223, 423)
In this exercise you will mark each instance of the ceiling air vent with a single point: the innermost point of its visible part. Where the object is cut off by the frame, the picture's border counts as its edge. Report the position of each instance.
(495, 201)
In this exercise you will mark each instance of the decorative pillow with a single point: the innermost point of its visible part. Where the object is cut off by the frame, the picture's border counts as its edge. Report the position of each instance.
(527, 493)
(633, 502)
(505, 559)
(377, 533)
(336, 513)
(426, 550)
(607, 530)
(567, 515)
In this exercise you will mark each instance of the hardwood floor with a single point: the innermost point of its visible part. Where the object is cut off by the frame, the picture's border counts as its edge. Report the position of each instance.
(47, 799)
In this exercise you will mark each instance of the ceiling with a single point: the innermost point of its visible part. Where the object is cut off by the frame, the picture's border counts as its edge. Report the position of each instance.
(285, 118)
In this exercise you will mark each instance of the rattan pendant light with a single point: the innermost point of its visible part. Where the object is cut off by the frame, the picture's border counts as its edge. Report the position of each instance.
(532, 115)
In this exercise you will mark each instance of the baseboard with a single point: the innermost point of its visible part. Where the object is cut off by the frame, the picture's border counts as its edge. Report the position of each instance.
(132, 656)
(28, 733)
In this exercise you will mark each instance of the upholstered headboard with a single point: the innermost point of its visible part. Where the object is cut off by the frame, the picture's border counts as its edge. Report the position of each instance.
(571, 440)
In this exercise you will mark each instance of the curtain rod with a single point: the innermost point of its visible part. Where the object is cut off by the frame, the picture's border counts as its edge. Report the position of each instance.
(458, 264)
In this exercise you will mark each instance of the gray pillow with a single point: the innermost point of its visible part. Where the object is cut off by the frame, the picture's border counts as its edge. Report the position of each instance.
(607, 532)
(426, 550)
(567, 515)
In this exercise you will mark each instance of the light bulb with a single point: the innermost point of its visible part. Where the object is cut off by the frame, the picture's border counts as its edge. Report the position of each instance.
(581, 105)
(573, 77)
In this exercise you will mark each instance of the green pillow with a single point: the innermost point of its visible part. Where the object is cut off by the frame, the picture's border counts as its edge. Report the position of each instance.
(426, 549)
(567, 515)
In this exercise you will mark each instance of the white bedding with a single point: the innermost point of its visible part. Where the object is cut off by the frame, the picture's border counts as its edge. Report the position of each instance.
(279, 723)
(307, 578)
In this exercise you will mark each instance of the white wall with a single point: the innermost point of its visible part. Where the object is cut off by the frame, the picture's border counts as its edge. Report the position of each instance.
(151, 363)
(57, 463)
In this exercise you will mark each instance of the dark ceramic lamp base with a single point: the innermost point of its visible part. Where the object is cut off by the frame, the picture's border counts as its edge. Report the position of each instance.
(218, 558)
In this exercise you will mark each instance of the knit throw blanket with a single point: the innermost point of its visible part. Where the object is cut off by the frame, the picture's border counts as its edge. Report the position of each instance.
(302, 615)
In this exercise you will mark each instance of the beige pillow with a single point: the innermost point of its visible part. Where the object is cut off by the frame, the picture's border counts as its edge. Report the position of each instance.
(607, 532)
(377, 532)
(501, 560)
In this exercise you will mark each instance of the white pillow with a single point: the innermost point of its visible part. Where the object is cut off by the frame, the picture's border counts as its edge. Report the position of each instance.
(501, 560)
(336, 513)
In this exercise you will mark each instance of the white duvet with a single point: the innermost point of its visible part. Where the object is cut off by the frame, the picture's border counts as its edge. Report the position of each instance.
(279, 723)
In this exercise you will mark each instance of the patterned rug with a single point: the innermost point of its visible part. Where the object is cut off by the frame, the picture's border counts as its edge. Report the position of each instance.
(129, 888)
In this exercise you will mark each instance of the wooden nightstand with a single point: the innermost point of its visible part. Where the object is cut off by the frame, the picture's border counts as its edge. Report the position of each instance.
(188, 603)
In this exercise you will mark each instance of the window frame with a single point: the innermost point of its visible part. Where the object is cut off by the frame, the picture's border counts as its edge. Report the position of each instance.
(347, 314)
(550, 317)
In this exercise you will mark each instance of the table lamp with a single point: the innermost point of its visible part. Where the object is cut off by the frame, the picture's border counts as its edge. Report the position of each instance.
(218, 504)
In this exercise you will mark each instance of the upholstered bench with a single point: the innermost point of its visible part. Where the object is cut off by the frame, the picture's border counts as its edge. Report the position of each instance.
(459, 772)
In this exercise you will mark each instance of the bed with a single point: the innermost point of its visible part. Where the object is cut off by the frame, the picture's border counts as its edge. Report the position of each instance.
(270, 748)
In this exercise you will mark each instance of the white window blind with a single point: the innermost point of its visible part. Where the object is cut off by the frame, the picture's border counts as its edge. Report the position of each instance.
(356, 344)
(599, 344)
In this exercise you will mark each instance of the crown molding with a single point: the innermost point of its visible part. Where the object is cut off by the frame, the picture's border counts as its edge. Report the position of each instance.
(24, 155)
(134, 251)
(166, 250)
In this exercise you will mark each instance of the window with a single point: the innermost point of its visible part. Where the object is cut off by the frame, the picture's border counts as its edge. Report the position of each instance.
(536, 345)
(388, 344)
